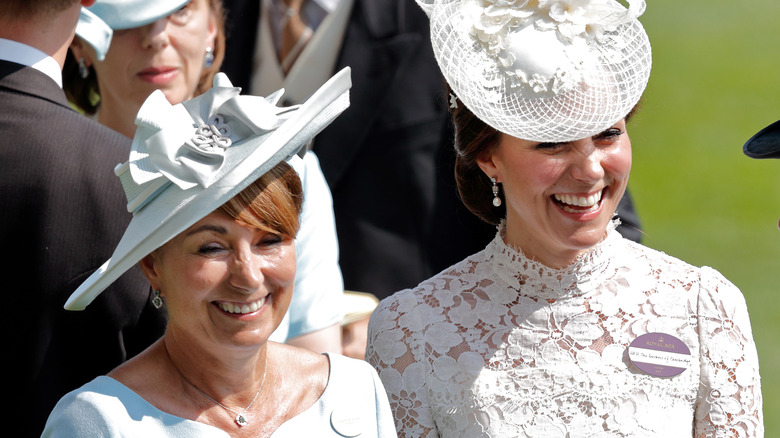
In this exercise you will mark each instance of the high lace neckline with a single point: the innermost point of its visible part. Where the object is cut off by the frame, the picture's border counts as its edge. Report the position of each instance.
(532, 278)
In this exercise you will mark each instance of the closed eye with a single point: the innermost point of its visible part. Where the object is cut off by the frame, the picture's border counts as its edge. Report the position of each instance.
(609, 134)
(549, 146)
(211, 249)
(270, 239)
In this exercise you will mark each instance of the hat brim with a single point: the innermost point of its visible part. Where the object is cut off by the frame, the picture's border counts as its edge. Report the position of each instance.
(97, 23)
(175, 209)
(96, 32)
(765, 144)
(129, 14)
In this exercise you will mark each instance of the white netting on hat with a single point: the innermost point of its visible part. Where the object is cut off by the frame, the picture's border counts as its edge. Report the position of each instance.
(596, 83)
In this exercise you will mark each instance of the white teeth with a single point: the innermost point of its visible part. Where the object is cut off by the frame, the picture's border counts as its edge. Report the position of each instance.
(242, 308)
(579, 201)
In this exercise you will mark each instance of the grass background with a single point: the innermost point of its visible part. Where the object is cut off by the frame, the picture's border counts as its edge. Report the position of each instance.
(715, 82)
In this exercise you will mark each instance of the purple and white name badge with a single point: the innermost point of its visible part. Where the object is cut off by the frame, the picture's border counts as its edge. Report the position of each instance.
(659, 354)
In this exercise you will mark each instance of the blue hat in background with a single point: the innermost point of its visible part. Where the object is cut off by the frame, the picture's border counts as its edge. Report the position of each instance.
(97, 23)
(765, 144)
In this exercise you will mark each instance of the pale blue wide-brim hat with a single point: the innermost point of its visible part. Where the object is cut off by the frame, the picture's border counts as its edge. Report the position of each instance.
(188, 159)
(97, 23)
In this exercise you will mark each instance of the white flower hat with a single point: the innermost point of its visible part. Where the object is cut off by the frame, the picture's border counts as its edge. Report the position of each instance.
(188, 159)
(542, 70)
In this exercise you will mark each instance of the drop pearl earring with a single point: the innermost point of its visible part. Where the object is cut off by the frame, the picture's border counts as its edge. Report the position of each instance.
(496, 199)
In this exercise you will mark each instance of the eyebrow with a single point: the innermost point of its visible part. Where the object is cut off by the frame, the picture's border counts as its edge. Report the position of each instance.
(215, 228)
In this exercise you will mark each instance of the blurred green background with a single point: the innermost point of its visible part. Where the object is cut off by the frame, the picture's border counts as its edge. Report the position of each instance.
(715, 82)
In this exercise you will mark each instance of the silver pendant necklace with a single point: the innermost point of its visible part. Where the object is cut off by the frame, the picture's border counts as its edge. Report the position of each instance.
(240, 419)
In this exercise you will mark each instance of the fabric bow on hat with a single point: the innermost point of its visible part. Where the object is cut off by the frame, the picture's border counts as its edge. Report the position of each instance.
(186, 144)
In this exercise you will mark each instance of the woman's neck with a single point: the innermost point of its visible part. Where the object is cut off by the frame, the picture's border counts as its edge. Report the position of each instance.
(222, 375)
(118, 119)
(554, 258)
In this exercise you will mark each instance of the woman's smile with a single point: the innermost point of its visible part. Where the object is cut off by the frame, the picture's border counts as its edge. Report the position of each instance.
(578, 203)
(243, 308)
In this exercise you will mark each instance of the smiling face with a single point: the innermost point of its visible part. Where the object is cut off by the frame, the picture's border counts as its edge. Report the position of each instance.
(560, 197)
(224, 282)
(167, 54)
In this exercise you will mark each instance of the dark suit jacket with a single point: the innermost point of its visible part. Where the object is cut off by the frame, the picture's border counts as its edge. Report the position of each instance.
(63, 212)
(388, 159)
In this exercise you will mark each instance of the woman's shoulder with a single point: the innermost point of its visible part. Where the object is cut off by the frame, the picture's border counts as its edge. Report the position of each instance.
(310, 372)
(441, 282)
(101, 395)
(356, 398)
(92, 403)
(345, 370)
(428, 301)
(708, 279)
(350, 404)
(98, 389)
(106, 407)
(325, 370)
(633, 252)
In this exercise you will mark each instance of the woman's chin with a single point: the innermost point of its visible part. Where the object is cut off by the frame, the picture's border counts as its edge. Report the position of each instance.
(589, 237)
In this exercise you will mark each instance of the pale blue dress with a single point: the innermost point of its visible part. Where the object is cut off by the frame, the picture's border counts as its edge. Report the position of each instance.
(354, 403)
(317, 301)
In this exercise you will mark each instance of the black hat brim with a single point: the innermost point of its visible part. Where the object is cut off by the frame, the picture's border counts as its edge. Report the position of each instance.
(765, 144)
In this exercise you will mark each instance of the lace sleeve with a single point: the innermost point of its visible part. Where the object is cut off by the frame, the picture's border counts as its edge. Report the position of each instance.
(395, 349)
(729, 396)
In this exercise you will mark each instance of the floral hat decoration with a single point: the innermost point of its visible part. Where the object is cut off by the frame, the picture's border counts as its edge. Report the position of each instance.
(542, 70)
(186, 160)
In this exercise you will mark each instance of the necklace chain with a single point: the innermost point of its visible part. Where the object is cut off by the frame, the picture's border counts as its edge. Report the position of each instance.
(240, 419)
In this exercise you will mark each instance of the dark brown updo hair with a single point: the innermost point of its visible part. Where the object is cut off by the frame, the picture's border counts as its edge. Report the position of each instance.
(473, 139)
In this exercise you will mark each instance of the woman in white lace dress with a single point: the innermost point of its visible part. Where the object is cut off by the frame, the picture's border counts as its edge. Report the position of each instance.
(559, 327)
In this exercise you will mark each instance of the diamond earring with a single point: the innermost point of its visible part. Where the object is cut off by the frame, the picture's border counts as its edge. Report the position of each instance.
(496, 199)
(157, 302)
(83, 69)
(208, 59)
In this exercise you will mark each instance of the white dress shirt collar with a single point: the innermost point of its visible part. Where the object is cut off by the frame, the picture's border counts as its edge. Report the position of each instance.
(14, 51)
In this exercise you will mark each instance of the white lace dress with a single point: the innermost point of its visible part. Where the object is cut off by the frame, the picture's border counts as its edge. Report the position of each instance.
(501, 346)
